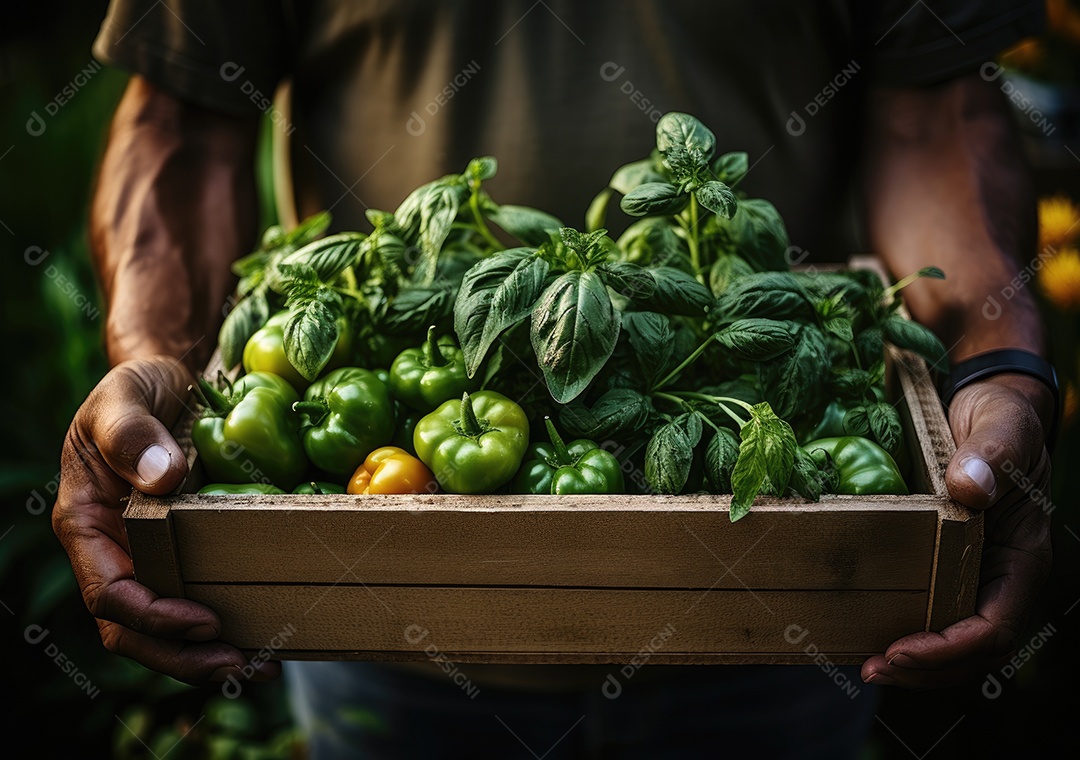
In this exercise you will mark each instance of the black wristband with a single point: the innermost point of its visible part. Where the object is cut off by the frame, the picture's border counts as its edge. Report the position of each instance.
(1000, 362)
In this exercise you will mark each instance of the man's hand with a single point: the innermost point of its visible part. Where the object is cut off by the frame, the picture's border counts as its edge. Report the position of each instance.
(174, 205)
(1001, 465)
(120, 439)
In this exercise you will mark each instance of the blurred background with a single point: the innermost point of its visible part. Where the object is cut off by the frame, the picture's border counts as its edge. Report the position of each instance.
(71, 696)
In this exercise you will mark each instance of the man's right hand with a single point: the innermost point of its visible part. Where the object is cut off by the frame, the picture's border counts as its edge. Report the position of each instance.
(120, 438)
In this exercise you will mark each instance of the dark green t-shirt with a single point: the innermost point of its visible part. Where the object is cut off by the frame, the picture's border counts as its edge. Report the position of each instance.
(388, 95)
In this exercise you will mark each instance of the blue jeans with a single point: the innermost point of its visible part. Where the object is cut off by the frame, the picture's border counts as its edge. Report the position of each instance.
(370, 710)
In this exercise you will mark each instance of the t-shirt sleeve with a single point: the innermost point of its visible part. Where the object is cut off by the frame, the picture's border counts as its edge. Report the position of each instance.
(225, 55)
(920, 42)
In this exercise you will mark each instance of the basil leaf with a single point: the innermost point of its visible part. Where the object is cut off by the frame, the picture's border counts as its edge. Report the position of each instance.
(530, 226)
(616, 415)
(629, 176)
(718, 198)
(720, 458)
(670, 454)
(870, 345)
(310, 337)
(759, 235)
(309, 229)
(416, 307)
(483, 168)
(330, 256)
(757, 340)
(437, 214)
(730, 168)
(596, 214)
(801, 375)
(850, 383)
(574, 331)
(915, 337)
(726, 269)
(628, 280)
(654, 199)
(840, 327)
(775, 295)
(806, 479)
(651, 240)
(885, 425)
(473, 306)
(653, 341)
(513, 301)
(239, 325)
(857, 421)
(766, 457)
(682, 130)
(676, 292)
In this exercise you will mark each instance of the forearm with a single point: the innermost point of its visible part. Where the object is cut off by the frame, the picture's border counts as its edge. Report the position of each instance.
(175, 203)
(947, 186)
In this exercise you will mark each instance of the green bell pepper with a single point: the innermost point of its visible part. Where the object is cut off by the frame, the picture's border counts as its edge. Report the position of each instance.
(319, 487)
(474, 445)
(560, 468)
(249, 433)
(232, 489)
(862, 466)
(427, 376)
(349, 414)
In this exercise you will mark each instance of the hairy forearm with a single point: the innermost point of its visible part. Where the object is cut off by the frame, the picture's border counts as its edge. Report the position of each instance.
(947, 186)
(175, 203)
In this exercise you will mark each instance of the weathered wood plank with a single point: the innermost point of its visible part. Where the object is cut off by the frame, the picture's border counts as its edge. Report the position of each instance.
(955, 581)
(594, 621)
(148, 522)
(614, 541)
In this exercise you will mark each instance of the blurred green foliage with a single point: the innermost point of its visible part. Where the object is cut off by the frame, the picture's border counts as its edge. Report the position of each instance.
(105, 706)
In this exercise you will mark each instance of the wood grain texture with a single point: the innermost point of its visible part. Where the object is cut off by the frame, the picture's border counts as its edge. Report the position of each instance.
(541, 541)
(148, 522)
(955, 581)
(591, 621)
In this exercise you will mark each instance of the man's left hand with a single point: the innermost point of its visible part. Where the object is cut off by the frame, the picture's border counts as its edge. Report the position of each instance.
(1001, 465)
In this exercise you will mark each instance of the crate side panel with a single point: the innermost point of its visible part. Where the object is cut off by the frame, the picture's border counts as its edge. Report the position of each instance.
(152, 543)
(956, 574)
(381, 618)
(661, 548)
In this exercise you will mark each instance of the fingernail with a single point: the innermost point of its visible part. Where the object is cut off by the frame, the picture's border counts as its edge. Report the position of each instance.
(222, 673)
(153, 464)
(880, 680)
(980, 472)
(203, 632)
(903, 661)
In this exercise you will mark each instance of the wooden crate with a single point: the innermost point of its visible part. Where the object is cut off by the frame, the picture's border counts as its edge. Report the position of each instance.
(586, 579)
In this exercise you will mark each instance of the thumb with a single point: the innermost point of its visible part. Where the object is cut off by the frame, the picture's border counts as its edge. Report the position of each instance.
(998, 436)
(127, 423)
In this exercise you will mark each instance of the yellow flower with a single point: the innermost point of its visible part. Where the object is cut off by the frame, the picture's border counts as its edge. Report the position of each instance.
(1070, 406)
(1059, 278)
(1024, 55)
(1059, 222)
